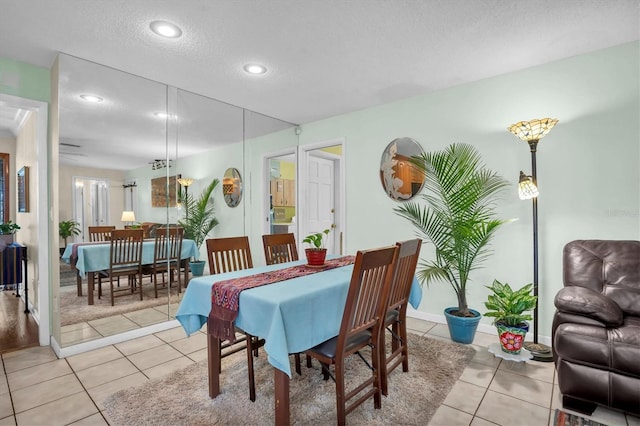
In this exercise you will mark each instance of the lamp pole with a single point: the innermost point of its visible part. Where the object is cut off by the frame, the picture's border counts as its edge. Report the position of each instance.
(531, 132)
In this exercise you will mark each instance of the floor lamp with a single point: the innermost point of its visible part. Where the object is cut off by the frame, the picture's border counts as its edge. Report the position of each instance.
(186, 182)
(531, 132)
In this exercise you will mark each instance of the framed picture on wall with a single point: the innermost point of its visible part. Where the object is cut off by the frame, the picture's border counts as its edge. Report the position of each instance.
(23, 190)
(159, 191)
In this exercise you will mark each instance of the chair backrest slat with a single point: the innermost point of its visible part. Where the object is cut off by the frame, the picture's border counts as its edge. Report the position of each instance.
(168, 244)
(368, 292)
(279, 248)
(408, 255)
(229, 254)
(100, 233)
(126, 247)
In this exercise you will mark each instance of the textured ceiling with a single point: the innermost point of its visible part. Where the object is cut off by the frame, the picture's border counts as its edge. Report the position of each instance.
(325, 57)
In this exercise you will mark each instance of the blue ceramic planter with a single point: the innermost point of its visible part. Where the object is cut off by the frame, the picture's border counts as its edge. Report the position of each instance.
(462, 329)
(197, 268)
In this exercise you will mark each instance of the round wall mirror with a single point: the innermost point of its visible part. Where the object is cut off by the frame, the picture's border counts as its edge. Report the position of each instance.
(401, 179)
(232, 187)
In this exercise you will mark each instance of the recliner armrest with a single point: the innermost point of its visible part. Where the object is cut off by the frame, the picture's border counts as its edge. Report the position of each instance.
(584, 301)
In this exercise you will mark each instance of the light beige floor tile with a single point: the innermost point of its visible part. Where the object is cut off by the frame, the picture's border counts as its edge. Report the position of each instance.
(441, 330)
(100, 393)
(193, 343)
(93, 358)
(447, 416)
(521, 387)
(4, 386)
(419, 325)
(60, 412)
(138, 345)
(172, 334)
(78, 336)
(465, 397)
(103, 373)
(198, 356)
(38, 374)
(146, 317)
(536, 370)
(556, 398)
(503, 409)
(485, 339)
(483, 356)
(113, 325)
(478, 374)
(8, 421)
(154, 356)
(168, 367)
(172, 310)
(73, 327)
(14, 361)
(633, 420)
(477, 421)
(93, 420)
(6, 409)
(45, 392)
(608, 417)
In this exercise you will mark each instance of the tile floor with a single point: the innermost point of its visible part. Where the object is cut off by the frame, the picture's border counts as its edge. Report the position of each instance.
(36, 388)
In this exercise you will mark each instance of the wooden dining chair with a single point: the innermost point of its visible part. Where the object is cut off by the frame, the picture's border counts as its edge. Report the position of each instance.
(100, 233)
(362, 324)
(166, 257)
(125, 260)
(396, 316)
(279, 248)
(228, 255)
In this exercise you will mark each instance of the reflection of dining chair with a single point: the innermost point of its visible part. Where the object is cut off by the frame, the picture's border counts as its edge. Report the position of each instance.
(228, 255)
(100, 233)
(125, 260)
(279, 248)
(396, 316)
(166, 257)
(362, 324)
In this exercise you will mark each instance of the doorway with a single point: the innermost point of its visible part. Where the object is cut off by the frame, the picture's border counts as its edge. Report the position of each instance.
(321, 193)
(281, 170)
(90, 204)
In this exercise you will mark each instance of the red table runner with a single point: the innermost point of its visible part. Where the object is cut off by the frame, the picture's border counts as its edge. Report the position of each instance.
(225, 295)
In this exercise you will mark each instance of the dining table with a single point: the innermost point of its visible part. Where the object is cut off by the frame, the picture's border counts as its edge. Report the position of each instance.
(90, 258)
(292, 316)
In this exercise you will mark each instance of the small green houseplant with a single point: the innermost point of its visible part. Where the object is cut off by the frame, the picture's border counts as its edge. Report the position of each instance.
(199, 220)
(508, 307)
(66, 229)
(458, 218)
(317, 253)
(8, 230)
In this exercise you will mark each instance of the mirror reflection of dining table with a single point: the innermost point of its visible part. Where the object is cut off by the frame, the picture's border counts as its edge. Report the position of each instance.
(292, 316)
(90, 258)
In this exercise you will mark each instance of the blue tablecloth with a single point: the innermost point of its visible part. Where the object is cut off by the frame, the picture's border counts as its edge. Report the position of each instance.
(95, 257)
(292, 315)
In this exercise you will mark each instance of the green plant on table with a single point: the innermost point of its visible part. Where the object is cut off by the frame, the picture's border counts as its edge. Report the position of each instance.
(8, 228)
(508, 306)
(68, 228)
(316, 240)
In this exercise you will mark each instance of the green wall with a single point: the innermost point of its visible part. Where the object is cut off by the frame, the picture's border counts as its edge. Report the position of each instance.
(24, 80)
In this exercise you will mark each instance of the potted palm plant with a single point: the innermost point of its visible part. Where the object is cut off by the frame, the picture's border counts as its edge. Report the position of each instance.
(458, 218)
(199, 220)
(316, 253)
(66, 229)
(507, 307)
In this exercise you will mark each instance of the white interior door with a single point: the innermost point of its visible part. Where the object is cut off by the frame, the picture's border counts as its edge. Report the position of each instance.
(321, 197)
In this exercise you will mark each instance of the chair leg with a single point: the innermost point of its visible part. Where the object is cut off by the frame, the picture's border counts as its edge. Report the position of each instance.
(298, 367)
(111, 289)
(341, 402)
(405, 349)
(383, 362)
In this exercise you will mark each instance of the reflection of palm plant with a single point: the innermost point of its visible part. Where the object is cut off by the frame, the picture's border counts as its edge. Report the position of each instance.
(200, 216)
(68, 228)
(458, 217)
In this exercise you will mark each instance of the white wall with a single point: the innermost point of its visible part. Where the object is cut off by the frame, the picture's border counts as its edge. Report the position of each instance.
(588, 170)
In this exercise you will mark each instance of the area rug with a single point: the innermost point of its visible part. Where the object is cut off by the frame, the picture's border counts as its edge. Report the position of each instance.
(562, 418)
(75, 309)
(182, 398)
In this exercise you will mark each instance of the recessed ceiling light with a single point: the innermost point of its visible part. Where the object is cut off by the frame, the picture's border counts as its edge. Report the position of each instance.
(165, 29)
(255, 69)
(91, 98)
(164, 115)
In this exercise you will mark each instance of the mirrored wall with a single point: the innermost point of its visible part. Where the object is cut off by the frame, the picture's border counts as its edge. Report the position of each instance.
(143, 138)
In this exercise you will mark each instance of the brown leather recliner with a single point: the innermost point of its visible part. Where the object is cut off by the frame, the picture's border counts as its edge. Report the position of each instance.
(596, 327)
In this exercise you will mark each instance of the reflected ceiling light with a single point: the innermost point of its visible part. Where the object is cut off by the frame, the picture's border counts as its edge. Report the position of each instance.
(164, 115)
(165, 29)
(91, 98)
(255, 69)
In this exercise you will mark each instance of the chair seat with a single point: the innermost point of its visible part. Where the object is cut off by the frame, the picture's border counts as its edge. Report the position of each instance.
(391, 317)
(328, 347)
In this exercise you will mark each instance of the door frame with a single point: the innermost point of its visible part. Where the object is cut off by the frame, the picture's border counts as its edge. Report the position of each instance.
(45, 222)
(339, 232)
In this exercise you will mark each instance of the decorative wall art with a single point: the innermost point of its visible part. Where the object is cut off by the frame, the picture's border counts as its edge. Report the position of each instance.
(23, 190)
(159, 191)
(401, 179)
